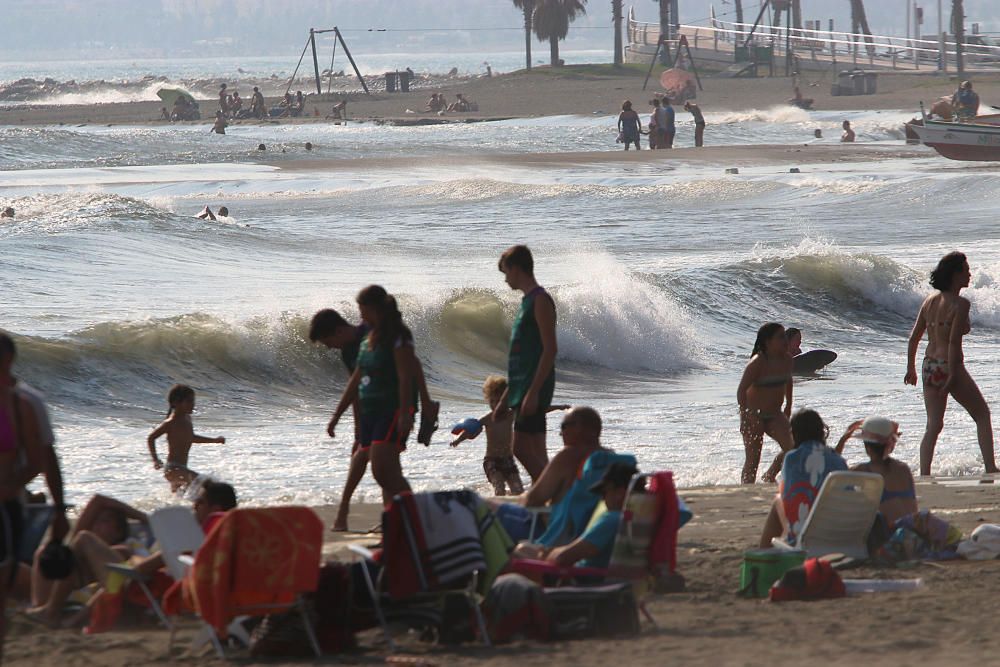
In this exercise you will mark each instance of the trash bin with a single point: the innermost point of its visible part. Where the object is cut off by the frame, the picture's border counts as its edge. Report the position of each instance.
(844, 83)
(390, 82)
(871, 83)
(859, 83)
(404, 81)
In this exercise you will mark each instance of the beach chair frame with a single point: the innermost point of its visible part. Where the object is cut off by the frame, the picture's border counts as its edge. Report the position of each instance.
(379, 598)
(841, 517)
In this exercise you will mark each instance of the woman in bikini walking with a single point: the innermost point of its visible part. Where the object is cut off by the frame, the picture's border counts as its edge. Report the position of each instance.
(765, 385)
(945, 318)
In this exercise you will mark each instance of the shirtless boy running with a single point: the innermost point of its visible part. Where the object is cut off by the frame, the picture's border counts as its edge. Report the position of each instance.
(180, 436)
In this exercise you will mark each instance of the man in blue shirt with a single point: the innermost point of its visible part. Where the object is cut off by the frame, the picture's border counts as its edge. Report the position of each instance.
(594, 547)
(671, 129)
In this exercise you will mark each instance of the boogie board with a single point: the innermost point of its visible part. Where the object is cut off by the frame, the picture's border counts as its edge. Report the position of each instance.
(812, 361)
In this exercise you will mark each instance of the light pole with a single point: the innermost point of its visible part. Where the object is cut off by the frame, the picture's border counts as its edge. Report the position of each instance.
(942, 51)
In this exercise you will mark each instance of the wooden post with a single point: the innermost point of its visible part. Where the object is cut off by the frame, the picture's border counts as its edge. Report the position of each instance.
(312, 42)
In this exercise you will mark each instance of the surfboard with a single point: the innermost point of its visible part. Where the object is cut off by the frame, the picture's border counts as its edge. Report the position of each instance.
(812, 361)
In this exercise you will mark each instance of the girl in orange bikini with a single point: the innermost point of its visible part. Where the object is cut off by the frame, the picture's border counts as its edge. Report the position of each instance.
(945, 318)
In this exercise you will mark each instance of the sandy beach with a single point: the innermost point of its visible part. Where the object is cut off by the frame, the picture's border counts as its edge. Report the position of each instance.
(546, 92)
(948, 621)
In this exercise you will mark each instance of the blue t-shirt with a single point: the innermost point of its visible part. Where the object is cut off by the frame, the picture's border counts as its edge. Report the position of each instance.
(602, 535)
(668, 111)
(802, 476)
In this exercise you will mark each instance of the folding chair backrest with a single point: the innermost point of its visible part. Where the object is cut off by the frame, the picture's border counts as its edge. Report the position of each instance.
(177, 531)
(842, 515)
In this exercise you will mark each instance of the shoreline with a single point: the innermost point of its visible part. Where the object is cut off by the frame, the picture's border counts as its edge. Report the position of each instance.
(705, 624)
(573, 90)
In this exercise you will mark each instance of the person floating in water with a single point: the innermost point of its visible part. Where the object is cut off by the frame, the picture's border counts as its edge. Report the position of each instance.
(945, 318)
(848, 136)
(206, 213)
(180, 436)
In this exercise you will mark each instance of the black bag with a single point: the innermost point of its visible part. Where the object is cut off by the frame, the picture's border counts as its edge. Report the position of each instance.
(578, 612)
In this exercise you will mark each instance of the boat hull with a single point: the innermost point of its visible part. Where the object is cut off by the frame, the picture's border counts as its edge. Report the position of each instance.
(973, 142)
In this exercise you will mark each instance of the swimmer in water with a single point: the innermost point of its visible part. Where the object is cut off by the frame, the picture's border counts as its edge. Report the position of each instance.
(206, 213)
(765, 385)
(180, 436)
(794, 337)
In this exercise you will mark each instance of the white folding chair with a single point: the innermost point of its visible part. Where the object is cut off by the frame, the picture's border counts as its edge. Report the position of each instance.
(842, 516)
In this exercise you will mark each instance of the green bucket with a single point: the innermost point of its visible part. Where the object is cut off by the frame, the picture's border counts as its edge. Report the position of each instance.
(763, 567)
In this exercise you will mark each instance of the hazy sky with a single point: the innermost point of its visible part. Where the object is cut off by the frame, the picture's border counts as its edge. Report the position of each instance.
(247, 27)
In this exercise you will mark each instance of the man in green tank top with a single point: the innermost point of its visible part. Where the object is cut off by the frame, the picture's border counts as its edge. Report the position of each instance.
(531, 376)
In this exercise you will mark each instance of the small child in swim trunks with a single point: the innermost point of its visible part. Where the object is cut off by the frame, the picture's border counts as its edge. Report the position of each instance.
(499, 465)
(180, 436)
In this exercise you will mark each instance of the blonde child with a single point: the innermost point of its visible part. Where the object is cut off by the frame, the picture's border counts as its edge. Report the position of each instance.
(180, 436)
(499, 465)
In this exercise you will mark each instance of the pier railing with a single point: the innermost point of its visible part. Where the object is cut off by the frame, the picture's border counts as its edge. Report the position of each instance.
(830, 46)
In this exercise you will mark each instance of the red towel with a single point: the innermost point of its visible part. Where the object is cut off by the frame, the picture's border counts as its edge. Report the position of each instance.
(663, 549)
(253, 558)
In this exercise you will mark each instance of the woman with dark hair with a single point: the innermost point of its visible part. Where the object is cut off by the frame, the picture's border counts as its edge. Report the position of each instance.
(629, 125)
(383, 385)
(802, 475)
(765, 385)
(945, 318)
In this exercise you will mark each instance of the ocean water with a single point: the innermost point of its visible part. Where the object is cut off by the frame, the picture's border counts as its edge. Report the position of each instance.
(661, 273)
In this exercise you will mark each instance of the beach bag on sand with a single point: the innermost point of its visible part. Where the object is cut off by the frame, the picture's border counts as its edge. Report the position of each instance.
(816, 580)
(282, 635)
(763, 567)
(581, 612)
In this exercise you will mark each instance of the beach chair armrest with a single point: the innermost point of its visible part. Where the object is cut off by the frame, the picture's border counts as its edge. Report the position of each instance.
(187, 560)
(779, 543)
(359, 550)
(127, 571)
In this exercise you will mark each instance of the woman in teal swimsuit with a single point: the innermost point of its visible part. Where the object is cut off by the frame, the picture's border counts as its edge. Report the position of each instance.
(383, 385)
(945, 318)
(765, 385)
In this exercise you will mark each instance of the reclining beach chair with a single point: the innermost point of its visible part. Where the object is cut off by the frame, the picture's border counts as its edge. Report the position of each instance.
(177, 531)
(435, 545)
(254, 562)
(842, 516)
(644, 546)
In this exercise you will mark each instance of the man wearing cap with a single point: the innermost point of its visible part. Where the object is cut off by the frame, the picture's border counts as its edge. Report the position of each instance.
(593, 548)
(965, 102)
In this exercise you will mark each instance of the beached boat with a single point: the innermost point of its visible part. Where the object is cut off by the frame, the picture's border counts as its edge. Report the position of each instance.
(975, 140)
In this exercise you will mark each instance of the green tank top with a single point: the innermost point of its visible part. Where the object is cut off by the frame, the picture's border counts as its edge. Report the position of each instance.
(525, 353)
(378, 391)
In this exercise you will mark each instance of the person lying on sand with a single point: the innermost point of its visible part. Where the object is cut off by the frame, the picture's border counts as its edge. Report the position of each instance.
(206, 213)
(102, 527)
(436, 103)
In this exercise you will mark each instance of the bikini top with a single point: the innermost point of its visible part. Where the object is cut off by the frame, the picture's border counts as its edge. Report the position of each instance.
(772, 381)
(905, 494)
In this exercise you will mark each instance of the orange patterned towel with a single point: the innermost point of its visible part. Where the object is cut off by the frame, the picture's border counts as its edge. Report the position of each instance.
(252, 559)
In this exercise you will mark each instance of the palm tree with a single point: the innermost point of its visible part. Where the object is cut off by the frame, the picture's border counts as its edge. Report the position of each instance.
(616, 18)
(859, 23)
(958, 29)
(552, 19)
(739, 14)
(528, 7)
(664, 29)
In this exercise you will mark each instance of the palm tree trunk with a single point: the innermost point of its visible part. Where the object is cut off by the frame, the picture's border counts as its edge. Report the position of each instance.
(616, 15)
(739, 14)
(859, 22)
(554, 51)
(664, 30)
(958, 29)
(527, 35)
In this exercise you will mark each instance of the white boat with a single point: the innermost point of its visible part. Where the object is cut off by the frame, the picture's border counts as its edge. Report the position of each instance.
(975, 140)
